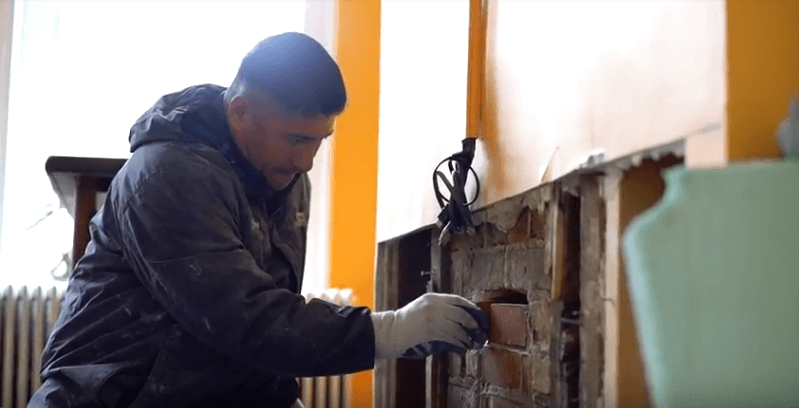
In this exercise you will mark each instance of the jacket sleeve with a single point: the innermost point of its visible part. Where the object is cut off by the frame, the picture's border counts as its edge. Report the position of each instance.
(180, 231)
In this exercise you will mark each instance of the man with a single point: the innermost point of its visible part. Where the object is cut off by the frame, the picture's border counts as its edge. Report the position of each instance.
(188, 294)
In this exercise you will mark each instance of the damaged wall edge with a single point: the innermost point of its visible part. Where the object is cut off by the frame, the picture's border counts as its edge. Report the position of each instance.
(498, 213)
(585, 206)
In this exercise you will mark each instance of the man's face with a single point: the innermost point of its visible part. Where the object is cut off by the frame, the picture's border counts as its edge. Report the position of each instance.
(279, 143)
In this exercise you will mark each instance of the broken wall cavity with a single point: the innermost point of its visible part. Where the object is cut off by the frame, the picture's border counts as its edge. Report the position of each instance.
(522, 266)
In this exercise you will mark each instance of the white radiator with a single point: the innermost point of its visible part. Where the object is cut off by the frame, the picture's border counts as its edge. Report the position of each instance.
(27, 318)
(333, 391)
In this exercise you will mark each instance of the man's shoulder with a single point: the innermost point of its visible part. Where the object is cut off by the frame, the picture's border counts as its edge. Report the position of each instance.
(174, 156)
(175, 165)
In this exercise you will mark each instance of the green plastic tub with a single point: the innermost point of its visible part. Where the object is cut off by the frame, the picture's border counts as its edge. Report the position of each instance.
(713, 270)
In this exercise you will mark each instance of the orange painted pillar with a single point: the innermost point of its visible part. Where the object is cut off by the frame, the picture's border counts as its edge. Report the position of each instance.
(353, 163)
(762, 72)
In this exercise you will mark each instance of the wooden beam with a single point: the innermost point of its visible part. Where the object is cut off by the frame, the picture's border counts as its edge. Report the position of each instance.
(592, 228)
(437, 366)
(404, 264)
(85, 207)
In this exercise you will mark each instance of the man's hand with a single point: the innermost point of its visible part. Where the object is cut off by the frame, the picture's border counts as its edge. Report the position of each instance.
(432, 323)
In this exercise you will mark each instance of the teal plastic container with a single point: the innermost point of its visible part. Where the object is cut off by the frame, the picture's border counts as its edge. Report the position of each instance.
(713, 270)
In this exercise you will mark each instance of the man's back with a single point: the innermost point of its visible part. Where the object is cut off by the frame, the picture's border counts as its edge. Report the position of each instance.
(189, 287)
(188, 293)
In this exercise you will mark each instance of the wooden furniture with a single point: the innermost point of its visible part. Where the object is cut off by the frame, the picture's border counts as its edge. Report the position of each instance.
(77, 181)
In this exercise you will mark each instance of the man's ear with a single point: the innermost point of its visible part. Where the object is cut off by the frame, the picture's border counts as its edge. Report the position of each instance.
(237, 111)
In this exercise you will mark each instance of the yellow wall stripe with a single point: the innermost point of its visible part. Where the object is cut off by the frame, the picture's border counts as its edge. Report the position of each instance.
(353, 157)
(762, 71)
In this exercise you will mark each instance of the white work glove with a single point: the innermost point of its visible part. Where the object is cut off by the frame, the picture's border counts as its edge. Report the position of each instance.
(432, 323)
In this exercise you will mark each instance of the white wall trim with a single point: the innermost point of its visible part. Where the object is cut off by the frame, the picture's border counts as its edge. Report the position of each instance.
(320, 24)
(6, 36)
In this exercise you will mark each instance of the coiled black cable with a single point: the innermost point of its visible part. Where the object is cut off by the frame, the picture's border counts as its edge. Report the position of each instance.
(455, 214)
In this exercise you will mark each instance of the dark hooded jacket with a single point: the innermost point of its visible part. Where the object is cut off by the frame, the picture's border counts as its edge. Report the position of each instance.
(188, 294)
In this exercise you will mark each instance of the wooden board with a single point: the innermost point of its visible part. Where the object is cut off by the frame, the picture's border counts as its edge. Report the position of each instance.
(403, 267)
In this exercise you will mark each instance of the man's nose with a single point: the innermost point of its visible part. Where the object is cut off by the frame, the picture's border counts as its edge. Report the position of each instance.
(303, 158)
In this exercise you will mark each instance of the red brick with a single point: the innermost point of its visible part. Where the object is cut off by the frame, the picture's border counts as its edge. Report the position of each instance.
(543, 380)
(463, 241)
(537, 375)
(527, 265)
(485, 306)
(497, 402)
(461, 262)
(503, 367)
(521, 231)
(485, 269)
(473, 363)
(509, 324)
(518, 233)
(455, 365)
(541, 317)
(491, 235)
(538, 225)
(460, 397)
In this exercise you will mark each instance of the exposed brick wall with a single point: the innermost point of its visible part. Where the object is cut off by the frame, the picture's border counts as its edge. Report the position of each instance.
(506, 266)
(509, 324)
(535, 265)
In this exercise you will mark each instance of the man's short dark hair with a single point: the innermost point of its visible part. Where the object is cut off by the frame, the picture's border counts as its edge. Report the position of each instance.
(297, 72)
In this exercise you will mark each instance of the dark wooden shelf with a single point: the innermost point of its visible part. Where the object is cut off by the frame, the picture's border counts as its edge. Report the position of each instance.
(76, 181)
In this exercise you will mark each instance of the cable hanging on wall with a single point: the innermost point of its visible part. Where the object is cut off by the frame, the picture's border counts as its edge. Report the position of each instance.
(455, 214)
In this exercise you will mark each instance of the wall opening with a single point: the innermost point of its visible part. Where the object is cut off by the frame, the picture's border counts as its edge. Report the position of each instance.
(503, 296)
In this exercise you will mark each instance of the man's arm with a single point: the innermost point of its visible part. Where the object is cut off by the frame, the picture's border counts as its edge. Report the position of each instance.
(180, 231)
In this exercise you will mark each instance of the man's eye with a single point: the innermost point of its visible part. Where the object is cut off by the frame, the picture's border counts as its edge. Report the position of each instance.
(297, 139)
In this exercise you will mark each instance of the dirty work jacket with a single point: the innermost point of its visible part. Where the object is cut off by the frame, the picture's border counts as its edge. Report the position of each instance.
(187, 295)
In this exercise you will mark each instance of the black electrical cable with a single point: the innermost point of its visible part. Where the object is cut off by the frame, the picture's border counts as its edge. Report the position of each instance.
(443, 200)
(455, 214)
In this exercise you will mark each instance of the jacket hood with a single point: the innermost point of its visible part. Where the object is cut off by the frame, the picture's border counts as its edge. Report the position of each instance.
(196, 115)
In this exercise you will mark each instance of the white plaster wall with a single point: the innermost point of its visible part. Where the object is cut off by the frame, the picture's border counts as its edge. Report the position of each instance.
(423, 52)
(565, 78)
(6, 34)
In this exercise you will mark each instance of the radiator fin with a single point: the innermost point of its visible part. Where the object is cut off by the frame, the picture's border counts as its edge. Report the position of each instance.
(333, 391)
(28, 317)
(8, 325)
